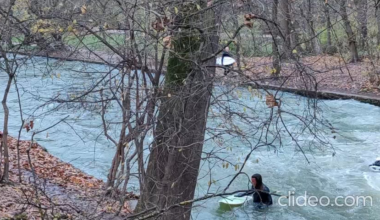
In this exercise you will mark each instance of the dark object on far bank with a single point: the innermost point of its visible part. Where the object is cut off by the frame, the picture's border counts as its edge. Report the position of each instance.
(331, 50)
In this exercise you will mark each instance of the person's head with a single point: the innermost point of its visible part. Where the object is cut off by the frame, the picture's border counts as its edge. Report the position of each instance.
(257, 181)
(227, 49)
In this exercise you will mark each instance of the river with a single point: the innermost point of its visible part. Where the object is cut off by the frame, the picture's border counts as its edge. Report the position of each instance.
(342, 171)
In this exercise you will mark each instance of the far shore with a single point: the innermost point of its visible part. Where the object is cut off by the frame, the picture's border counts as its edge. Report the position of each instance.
(339, 80)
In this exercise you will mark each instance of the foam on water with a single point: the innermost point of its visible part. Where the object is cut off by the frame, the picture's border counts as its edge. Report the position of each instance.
(373, 180)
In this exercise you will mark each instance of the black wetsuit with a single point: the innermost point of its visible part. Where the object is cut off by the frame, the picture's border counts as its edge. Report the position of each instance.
(260, 197)
(227, 70)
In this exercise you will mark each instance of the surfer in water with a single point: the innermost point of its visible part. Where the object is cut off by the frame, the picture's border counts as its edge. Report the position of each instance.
(261, 193)
(376, 165)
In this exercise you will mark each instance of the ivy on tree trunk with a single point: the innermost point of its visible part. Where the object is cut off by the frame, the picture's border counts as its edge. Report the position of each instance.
(174, 160)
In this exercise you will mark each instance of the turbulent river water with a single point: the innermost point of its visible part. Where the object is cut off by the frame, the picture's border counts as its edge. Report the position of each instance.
(332, 172)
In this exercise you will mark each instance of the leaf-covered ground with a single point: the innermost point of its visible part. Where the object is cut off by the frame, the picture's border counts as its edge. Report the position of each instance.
(328, 73)
(60, 191)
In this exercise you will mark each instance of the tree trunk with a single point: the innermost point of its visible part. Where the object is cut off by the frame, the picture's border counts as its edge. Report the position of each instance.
(238, 37)
(294, 34)
(294, 27)
(328, 25)
(284, 20)
(306, 7)
(377, 8)
(175, 157)
(362, 9)
(350, 34)
(312, 35)
(5, 175)
(119, 157)
(275, 47)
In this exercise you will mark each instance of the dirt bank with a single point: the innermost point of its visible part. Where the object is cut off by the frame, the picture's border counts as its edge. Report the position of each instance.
(59, 190)
(323, 77)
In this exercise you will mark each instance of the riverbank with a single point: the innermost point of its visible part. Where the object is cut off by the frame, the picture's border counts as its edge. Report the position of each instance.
(321, 94)
(81, 55)
(58, 190)
(322, 77)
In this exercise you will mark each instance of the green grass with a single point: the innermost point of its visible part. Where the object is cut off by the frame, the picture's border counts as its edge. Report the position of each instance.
(17, 39)
(250, 48)
(93, 42)
(338, 34)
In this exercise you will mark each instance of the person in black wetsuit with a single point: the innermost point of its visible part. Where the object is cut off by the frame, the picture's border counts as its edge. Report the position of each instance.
(226, 54)
(377, 163)
(260, 191)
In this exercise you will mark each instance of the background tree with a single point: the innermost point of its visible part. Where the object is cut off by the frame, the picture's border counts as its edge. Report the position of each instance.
(9, 67)
(350, 34)
(362, 10)
(276, 42)
(326, 10)
(308, 13)
(283, 16)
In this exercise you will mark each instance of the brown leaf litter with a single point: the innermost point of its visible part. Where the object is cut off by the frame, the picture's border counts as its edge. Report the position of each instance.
(60, 191)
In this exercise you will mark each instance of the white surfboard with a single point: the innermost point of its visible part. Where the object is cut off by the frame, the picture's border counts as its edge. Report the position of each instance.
(234, 201)
(374, 168)
(226, 61)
